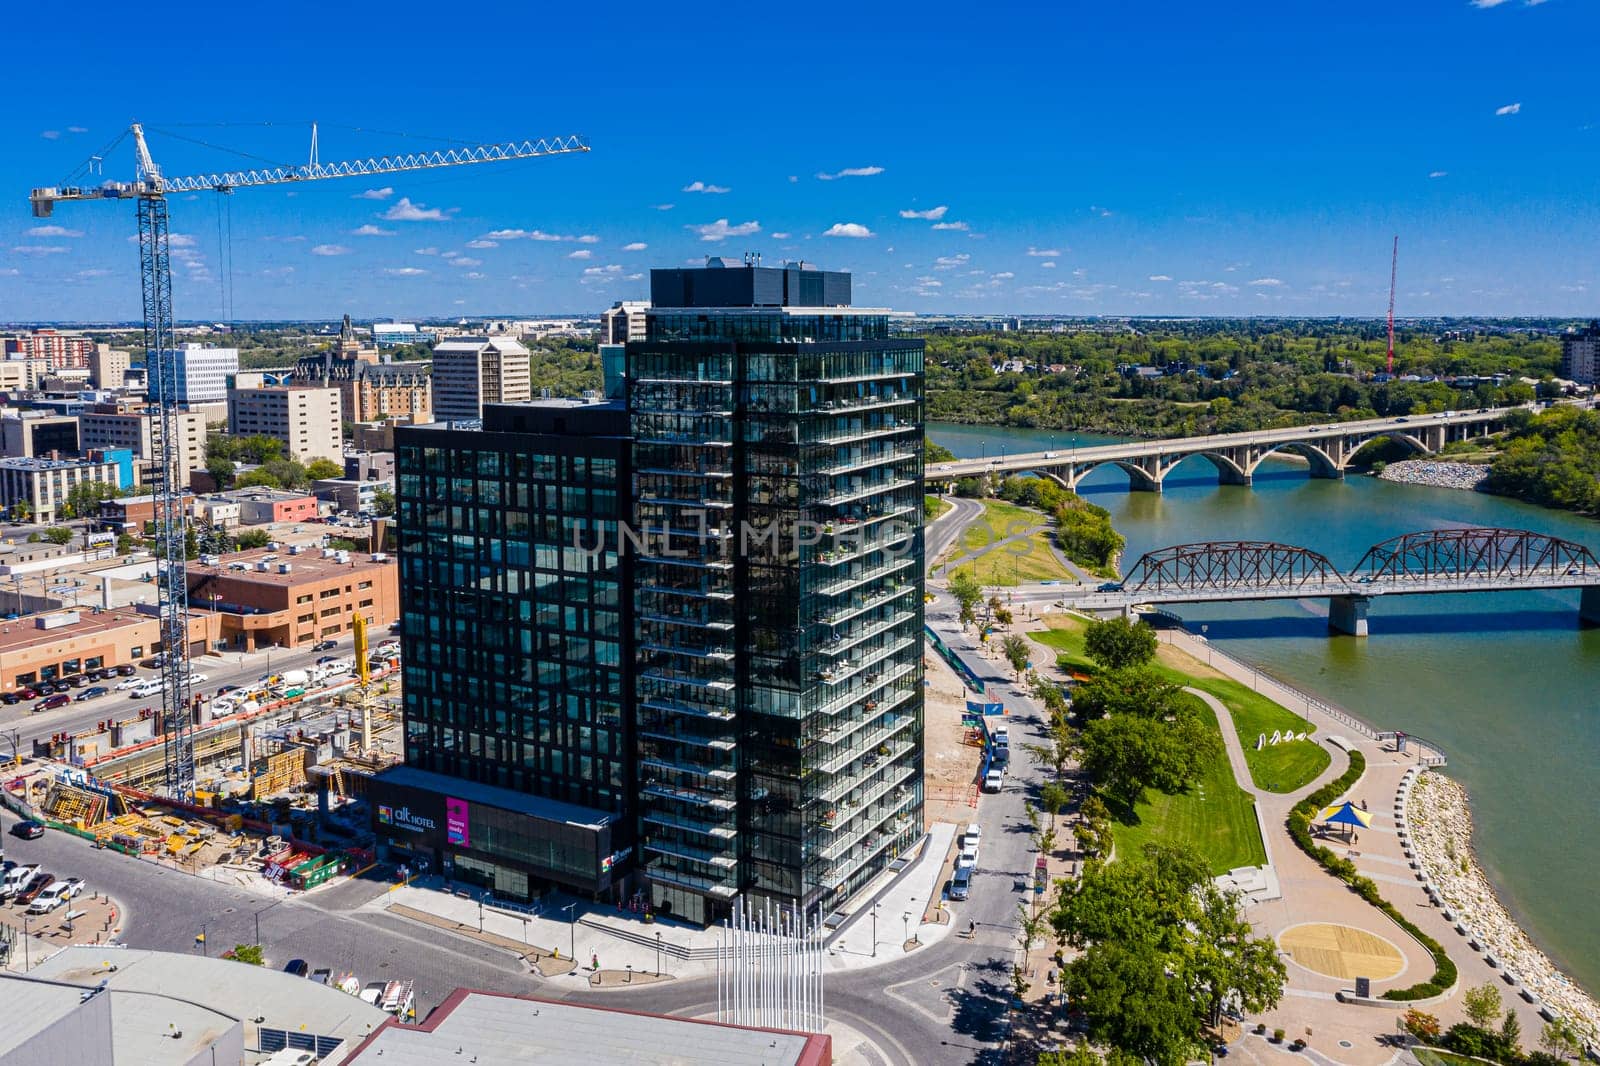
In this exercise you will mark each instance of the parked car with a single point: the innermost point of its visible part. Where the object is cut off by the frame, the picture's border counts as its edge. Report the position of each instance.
(78, 680)
(28, 829)
(40, 882)
(129, 682)
(325, 645)
(198, 679)
(48, 899)
(297, 967)
(90, 693)
(322, 975)
(127, 670)
(17, 878)
(994, 781)
(29, 693)
(225, 689)
(973, 834)
(961, 882)
(50, 703)
(324, 659)
(72, 887)
(10, 698)
(968, 856)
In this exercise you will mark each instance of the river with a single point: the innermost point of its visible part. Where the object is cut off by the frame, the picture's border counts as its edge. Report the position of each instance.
(1508, 684)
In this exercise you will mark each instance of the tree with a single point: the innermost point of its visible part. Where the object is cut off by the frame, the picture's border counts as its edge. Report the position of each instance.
(253, 538)
(383, 502)
(1117, 643)
(222, 471)
(258, 476)
(249, 954)
(1482, 1005)
(968, 594)
(1561, 1039)
(22, 510)
(1136, 690)
(288, 473)
(1422, 1025)
(58, 535)
(125, 544)
(1511, 1032)
(323, 469)
(191, 543)
(1127, 754)
(1017, 652)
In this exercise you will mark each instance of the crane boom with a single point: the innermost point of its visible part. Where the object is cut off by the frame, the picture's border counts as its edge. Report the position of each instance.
(151, 183)
(150, 189)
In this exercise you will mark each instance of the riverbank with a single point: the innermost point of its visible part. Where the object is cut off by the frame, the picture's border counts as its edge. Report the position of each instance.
(1436, 474)
(1441, 830)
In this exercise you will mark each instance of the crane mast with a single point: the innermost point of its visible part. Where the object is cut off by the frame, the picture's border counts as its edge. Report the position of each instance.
(1394, 266)
(155, 276)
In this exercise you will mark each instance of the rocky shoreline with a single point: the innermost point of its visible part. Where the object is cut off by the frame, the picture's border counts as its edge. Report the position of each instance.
(1441, 830)
(1438, 475)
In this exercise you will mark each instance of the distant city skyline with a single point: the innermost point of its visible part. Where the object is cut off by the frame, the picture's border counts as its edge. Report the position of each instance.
(1163, 160)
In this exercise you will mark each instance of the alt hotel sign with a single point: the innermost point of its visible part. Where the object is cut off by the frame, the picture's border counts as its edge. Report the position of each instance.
(457, 814)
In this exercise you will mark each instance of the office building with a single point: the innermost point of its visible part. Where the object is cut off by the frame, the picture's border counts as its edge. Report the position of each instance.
(518, 659)
(134, 426)
(203, 373)
(390, 334)
(259, 506)
(39, 488)
(355, 495)
(623, 321)
(61, 644)
(108, 367)
(58, 350)
(25, 434)
(765, 587)
(306, 418)
(293, 599)
(1580, 355)
(471, 372)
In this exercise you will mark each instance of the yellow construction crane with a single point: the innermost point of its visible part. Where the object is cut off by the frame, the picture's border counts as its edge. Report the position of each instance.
(150, 188)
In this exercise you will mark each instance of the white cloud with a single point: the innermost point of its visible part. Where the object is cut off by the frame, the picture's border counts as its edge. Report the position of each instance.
(588, 238)
(634, 277)
(1270, 283)
(847, 229)
(851, 172)
(451, 254)
(950, 262)
(780, 236)
(636, 246)
(84, 129)
(10, 272)
(97, 273)
(404, 272)
(1509, 109)
(1103, 212)
(426, 251)
(39, 249)
(50, 135)
(369, 230)
(1049, 264)
(932, 214)
(1438, 173)
(581, 253)
(1160, 277)
(720, 230)
(609, 268)
(1047, 253)
(466, 261)
(665, 207)
(483, 243)
(330, 249)
(474, 275)
(700, 186)
(179, 240)
(962, 226)
(1004, 275)
(1487, 3)
(406, 211)
(1205, 290)
(507, 234)
(54, 231)
(374, 194)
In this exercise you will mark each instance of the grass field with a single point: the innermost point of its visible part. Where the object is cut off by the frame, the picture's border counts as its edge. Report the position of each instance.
(1275, 768)
(933, 507)
(1215, 816)
(1430, 1056)
(1025, 560)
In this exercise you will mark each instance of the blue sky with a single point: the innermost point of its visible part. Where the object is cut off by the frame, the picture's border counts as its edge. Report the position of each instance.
(1133, 158)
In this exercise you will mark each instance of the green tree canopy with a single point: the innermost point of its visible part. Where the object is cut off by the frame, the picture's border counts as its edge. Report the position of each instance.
(1135, 690)
(1118, 643)
(323, 469)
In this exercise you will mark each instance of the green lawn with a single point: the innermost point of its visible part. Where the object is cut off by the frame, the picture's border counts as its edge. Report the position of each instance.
(933, 507)
(1429, 1056)
(1025, 560)
(1000, 519)
(1276, 767)
(1215, 816)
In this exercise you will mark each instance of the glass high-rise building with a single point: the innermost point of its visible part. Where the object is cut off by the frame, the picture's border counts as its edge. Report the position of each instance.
(691, 616)
(777, 438)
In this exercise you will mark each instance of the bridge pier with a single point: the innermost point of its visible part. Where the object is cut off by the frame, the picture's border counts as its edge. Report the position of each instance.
(1226, 475)
(1589, 606)
(1348, 614)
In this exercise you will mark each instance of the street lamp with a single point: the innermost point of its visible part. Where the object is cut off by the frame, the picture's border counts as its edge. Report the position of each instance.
(658, 953)
(26, 936)
(572, 928)
(480, 914)
(905, 927)
(875, 930)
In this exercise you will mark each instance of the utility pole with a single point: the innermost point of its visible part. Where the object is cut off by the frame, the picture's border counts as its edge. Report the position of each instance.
(1394, 267)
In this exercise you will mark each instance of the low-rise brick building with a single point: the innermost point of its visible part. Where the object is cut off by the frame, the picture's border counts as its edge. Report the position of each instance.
(58, 644)
(294, 598)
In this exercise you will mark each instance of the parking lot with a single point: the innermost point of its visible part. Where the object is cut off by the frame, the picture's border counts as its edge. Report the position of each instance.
(45, 909)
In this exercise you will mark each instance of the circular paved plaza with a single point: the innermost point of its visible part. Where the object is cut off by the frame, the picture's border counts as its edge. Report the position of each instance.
(1342, 951)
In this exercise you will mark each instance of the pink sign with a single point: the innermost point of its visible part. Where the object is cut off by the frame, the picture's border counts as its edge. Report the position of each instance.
(456, 829)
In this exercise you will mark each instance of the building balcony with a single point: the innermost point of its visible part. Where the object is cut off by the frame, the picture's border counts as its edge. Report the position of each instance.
(897, 455)
(860, 823)
(847, 549)
(697, 503)
(665, 733)
(874, 689)
(715, 829)
(835, 793)
(721, 654)
(862, 492)
(693, 593)
(870, 745)
(691, 710)
(842, 644)
(839, 673)
(695, 797)
(685, 440)
(716, 684)
(868, 403)
(882, 375)
(668, 471)
(867, 603)
(719, 859)
(855, 581)
(852, 435)
(688, 766)
(686, 620)
(721, 889)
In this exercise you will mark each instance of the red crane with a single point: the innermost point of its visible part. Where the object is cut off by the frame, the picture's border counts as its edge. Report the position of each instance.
(1394, 263)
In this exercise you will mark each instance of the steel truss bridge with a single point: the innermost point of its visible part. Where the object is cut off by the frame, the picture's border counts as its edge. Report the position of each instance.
(1428, 562)
(1329, 450)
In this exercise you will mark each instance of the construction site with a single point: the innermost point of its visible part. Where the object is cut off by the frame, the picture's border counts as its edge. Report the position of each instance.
(280, 780)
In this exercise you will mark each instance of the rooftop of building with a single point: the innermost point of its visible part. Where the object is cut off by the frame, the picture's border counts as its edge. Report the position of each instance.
(258, 494)
(25, 632)
(279, 999)
(37, 463)
(494, 796)
(304, 566)
(504, 345)
(498, 1029)
(156, 1029)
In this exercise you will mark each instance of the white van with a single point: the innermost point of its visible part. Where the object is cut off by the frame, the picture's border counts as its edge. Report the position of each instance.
(145, 691)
